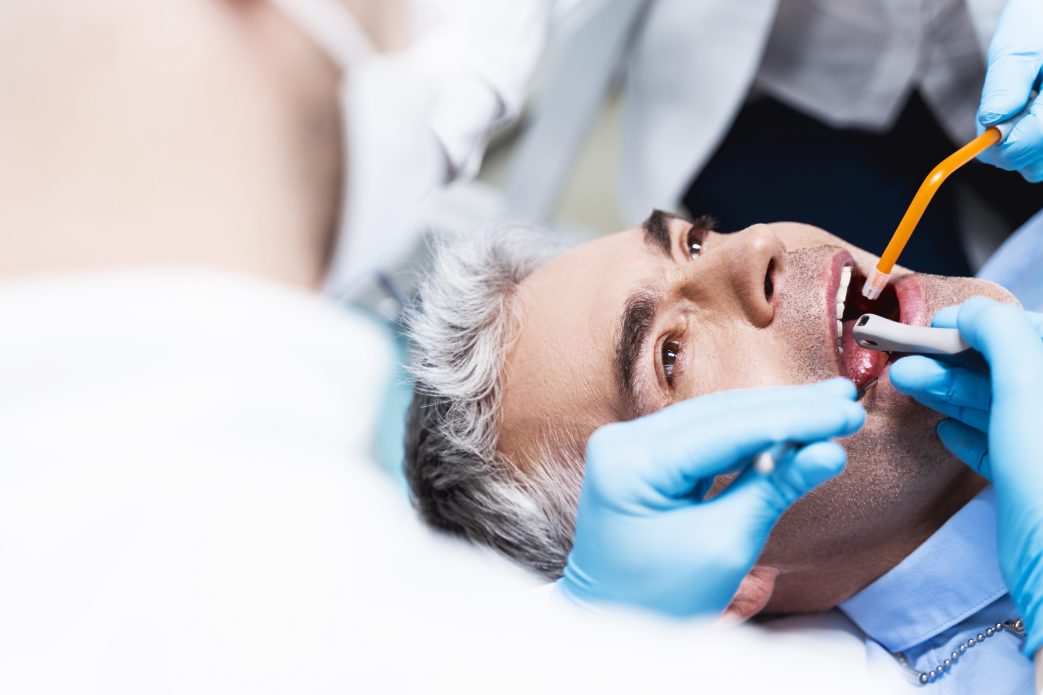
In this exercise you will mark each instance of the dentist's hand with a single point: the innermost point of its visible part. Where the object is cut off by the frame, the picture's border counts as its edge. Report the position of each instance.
(646, 537)
(996, 429)
(1015, 63)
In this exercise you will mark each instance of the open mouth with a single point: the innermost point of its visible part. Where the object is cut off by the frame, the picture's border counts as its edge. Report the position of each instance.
(861, 366)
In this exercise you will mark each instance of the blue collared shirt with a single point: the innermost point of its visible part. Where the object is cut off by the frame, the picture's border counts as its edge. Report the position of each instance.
(945, 592)
(1016, 263)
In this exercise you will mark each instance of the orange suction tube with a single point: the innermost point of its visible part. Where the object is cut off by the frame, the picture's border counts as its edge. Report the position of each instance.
(881, 274)
(926, 192)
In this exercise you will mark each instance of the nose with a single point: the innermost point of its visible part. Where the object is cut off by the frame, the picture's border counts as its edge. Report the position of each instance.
(749, 263)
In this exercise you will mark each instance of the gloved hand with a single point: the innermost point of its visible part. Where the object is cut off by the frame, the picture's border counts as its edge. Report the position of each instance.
(644, 534)
(996, 425)
(1015, 63)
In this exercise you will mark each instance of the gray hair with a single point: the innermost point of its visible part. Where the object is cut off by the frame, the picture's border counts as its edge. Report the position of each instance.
(461, 332)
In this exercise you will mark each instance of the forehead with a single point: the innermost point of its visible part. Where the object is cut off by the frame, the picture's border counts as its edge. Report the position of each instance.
(560, 370)
(569, 312)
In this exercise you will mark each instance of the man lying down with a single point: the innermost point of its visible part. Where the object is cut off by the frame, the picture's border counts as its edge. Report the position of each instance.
(521, 354)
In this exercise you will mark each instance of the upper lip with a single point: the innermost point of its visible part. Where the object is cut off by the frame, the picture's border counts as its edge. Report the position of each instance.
(911, 305)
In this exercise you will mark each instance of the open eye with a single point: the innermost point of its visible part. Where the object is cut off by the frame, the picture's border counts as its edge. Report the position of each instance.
(670, 350)
(694, 241)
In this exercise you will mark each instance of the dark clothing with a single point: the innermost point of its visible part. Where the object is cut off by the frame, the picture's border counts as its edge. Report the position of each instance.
(778, 164)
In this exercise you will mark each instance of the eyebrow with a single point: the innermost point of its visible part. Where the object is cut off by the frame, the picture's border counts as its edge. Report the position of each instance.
(657, 231)
(640, 309)
(636, 324)
(638, 318)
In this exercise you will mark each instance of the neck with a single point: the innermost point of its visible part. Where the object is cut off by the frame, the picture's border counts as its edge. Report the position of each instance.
(178, 131)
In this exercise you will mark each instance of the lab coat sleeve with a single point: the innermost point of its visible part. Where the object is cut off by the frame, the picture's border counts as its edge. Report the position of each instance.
(482, 57)
(419, 119)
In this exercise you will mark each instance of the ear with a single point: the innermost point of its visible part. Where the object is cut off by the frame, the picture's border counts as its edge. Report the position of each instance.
(753, 595)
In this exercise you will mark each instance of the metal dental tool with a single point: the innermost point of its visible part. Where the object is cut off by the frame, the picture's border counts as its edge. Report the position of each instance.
(768, 459)
(874, 332)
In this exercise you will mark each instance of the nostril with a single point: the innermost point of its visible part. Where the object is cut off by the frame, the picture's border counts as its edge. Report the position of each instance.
(769, 281)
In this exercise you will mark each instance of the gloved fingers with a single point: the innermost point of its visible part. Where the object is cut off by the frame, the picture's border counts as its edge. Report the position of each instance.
(724, 441)
(1023, 148)
(701, 411)
(1009, 342)
(754, 501)
(715, 412)
(949, 316)
(967, 444)
(1009, 80)
(693, 411)
(1033, 173)
(926, 379)
(978, 419)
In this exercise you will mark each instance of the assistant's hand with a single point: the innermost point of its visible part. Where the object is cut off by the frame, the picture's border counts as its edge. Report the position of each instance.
(996, 429)
(1015, 63)
(644, 534)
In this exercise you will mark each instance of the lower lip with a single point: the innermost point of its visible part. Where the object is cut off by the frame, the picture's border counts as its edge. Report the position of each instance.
(858, 364)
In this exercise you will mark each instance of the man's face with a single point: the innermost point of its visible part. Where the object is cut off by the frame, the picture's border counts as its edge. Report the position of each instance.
(631, 323)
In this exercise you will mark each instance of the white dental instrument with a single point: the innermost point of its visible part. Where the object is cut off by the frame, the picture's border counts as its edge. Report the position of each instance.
(874, 332)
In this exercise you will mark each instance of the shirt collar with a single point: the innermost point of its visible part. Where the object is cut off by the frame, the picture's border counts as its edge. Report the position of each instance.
(953, 575)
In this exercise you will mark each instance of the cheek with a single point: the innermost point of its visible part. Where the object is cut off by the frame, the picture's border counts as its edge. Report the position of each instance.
(750, 358)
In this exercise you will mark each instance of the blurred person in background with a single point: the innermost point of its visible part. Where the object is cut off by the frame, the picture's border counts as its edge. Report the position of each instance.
(829, 113)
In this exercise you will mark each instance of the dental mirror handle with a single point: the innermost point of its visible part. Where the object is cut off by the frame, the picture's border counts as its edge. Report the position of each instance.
(874, 332)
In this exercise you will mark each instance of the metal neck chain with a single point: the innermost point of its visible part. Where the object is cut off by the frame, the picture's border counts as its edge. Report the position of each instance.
(1015, 626)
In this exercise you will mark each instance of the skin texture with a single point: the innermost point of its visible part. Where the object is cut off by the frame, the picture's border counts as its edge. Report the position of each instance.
(203, 132)
(900, 484)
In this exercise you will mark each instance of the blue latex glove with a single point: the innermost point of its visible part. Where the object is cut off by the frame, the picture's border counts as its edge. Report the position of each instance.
(996, 428)
(1015, 63)
(644, 534)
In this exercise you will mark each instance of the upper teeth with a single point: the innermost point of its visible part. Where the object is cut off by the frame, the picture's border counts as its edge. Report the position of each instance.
(845, 280)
